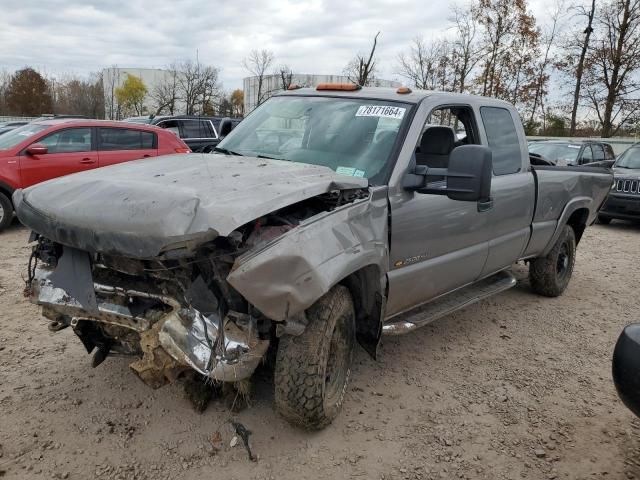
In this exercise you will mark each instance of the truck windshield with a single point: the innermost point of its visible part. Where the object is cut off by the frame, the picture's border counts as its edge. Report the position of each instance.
(556, 151)
(629, 159)
(14, 137)
(351, 136)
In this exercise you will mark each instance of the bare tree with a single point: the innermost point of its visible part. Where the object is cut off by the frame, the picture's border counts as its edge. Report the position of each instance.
(427, 66)
(258, 63)
(616, 60)
(542, 77)
(286, 76)
(189, 84)
(112, 82)
(361, 70)
(165, 94)
(466, 52)
(579, 70)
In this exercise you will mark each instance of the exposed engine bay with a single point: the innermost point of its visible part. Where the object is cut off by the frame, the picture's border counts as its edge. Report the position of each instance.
(178, 311)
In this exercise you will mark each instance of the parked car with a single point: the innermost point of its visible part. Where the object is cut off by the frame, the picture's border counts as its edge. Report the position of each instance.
(623, 201)
(8, 126)
(329, 216)
(564, 153)
(51, 148)
(626, 367)
(200, 133)
(144, 119)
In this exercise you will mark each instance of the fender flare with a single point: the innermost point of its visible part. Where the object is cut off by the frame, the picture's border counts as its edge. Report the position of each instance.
(570, 208)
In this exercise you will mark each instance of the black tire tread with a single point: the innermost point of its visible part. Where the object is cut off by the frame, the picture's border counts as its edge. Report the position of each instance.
(301, 360)
(542, 270)
(8, 209)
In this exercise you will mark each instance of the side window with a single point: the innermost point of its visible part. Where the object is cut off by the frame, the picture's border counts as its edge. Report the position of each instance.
(598, 152)
(68, 141)
(171, 125)
(197, 129)
(125, 139)
(503, 140)
(608, 152)
(587, 155)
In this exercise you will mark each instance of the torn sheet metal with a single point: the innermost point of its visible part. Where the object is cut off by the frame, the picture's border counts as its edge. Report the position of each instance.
(289, 274)
(73, 274)
(140, 209)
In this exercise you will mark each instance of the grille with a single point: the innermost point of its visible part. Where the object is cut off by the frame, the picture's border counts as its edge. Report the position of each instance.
(628, 185)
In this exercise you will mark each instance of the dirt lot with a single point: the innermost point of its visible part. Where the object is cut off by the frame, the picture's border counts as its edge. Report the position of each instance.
(514, 387)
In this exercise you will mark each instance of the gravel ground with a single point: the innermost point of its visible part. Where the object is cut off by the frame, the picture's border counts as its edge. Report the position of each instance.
(517, 386)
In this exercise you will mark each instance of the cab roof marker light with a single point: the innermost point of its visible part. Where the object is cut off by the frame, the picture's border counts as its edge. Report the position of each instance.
(345, 87)
(294, 87)
(403, 90)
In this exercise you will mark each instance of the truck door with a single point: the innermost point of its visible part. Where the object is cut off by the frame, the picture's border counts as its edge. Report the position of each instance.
(512, 189)
(437, 244)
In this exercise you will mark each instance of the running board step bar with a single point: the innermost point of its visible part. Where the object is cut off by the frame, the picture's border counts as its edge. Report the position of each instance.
(420, 316)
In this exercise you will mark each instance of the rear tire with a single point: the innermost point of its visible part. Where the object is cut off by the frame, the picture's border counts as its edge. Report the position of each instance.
(550, 275)
(312, 370)
(604, 220)
(6, 212)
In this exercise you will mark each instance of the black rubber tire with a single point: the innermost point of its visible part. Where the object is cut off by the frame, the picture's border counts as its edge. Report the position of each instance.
(550, 275)
(312, 370)
(7, 212)
(604, 220)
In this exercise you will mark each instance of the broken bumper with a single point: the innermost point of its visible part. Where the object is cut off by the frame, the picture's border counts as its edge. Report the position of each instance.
(173, 336)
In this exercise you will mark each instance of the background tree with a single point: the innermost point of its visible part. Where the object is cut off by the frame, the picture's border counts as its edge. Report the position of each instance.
(165, 95)
(361, 70)
(131, 94)
(112, 80)
(427, 66)
(237, 101)
(286, 76)
(466, 52)
(258, 63)
(28, 94)
(614, 62)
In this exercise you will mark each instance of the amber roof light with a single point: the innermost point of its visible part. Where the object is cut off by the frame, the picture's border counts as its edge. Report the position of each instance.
(345, 87)
(403, 90)
(294, 87)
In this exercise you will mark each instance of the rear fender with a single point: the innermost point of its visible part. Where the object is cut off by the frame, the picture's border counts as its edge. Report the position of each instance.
(583, 208)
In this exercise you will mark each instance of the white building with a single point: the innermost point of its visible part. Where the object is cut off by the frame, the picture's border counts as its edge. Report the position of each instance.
(113, 78)
(273, 83)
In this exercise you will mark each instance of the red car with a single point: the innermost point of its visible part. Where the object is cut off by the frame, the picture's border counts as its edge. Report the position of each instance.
(48, 149)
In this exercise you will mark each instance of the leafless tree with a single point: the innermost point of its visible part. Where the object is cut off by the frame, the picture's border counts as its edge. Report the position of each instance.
(361, 70)
(165, 95)
(286, 76)
(427, 66)
(113, 80)
(258, 63)
(615, 62)
(466, 52)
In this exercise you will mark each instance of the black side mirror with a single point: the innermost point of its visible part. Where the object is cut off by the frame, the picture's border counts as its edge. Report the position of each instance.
(626, 367)
(468, 177)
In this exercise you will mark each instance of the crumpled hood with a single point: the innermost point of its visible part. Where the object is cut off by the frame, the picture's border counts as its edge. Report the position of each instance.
(138, 209)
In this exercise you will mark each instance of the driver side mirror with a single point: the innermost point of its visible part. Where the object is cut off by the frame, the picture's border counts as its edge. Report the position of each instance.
(37, 149)
(467, 178)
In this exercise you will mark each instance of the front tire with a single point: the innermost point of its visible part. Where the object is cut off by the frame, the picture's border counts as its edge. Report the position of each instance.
(312, 370)
(550, 275)
(6, 212)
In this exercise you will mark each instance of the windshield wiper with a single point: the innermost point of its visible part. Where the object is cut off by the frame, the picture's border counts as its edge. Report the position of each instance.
(269, 158)
(226, 151)
(622, 166)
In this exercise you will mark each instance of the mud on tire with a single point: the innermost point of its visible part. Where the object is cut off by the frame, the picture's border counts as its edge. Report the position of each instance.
(312, 370)
(550, 275)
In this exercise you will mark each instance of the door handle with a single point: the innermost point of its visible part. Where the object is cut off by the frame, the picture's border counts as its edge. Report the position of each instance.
(484, 205)
(87, 160)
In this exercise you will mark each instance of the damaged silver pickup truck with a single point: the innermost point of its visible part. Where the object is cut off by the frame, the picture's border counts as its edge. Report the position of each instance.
(329, 216)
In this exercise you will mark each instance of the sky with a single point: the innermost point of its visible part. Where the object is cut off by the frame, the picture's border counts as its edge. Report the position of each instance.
(311, 36)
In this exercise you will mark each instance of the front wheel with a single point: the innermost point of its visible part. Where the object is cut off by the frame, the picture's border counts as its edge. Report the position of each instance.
(6, 211)
(312, 370)
(550, 275)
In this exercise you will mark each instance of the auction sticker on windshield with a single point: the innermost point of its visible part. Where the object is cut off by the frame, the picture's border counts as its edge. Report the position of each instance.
(384, 111)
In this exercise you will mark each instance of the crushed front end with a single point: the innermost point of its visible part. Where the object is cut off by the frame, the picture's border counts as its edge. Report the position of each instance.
(171, 315)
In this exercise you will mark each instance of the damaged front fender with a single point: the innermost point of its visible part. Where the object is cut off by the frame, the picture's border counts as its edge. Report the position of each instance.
(286, 276)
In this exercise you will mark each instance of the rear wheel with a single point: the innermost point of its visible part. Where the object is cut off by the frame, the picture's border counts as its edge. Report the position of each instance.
(6, 211)
(312, 370)
(550, 275)
(604, 220)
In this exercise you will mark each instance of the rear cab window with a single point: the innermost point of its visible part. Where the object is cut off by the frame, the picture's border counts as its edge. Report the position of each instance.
(503, 140)
(197, 129)
(112, 138)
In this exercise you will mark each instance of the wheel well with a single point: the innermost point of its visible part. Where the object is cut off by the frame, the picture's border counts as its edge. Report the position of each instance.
(366, 291)
(578, 221)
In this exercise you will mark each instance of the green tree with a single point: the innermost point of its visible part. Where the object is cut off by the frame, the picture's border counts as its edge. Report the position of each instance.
(130, 95)
(28, 93)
